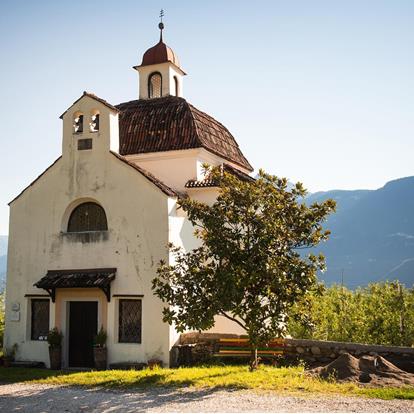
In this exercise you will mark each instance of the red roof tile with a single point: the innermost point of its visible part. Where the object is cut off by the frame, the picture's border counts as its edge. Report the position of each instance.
(171, 123)
(208, 182)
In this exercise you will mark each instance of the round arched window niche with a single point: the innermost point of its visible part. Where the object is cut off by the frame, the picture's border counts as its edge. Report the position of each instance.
(87, 217)
(155, 85)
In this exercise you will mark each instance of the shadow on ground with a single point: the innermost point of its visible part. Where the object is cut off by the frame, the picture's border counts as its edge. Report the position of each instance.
(36, 398)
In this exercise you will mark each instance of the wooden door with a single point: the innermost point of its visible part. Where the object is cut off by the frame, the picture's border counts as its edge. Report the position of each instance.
(83, 324)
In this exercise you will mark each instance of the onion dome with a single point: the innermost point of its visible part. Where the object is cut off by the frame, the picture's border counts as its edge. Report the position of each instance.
(160, 53)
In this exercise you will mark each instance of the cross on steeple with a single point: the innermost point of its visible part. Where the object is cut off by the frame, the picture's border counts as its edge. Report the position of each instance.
(161, 24)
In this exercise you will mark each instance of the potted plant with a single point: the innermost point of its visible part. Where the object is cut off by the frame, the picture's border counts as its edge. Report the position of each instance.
(100, 352)
(54, 339)
(154, 363)
(9, 355)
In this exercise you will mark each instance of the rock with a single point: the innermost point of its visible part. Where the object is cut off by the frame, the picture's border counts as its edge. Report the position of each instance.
(315, 350)
(300, 350)
(342, 352)
(333, 355)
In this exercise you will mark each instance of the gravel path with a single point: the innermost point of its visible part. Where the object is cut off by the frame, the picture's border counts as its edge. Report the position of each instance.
(46, 398)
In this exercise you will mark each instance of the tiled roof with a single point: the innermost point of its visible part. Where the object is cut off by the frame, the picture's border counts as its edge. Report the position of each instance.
(200, 183)
(93, 96)
(76, 278)
(207, 182)
(171, 123)
(163, 187)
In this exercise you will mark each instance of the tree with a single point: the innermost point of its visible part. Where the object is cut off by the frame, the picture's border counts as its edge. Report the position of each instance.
(248, 267)
(380, 313)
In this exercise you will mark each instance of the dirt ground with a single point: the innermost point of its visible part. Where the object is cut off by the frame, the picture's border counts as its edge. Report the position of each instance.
(371, 370)
(45, 398)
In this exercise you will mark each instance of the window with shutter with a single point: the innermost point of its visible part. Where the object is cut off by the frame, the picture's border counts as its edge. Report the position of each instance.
(87, 217)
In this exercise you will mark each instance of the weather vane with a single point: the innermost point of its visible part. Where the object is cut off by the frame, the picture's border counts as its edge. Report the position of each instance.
(161, 24)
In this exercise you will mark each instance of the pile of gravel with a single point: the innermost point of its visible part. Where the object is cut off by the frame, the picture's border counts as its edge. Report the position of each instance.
(374, 370)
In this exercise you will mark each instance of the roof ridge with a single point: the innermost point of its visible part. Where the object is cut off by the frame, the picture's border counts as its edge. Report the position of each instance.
(92, 96)
(36, 179)
(234, 143)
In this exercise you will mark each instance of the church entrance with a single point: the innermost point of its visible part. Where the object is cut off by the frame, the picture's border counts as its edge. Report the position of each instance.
(83, 324)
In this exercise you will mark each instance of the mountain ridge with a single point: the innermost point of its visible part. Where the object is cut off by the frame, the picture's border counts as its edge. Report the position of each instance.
(372, 235)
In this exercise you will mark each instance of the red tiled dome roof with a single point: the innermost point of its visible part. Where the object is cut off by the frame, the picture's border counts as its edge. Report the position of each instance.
(159, 53)
(171, 123)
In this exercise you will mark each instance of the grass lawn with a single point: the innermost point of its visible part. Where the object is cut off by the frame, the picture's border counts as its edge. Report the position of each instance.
(282, 380)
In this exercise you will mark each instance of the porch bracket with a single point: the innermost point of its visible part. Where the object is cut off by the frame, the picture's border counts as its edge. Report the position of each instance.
(52, 293)
(107, 291)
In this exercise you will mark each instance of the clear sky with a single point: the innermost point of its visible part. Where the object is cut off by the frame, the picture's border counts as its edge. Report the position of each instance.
(318, 91)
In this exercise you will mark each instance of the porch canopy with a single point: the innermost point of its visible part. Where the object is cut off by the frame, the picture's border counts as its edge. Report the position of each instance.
(77, 278)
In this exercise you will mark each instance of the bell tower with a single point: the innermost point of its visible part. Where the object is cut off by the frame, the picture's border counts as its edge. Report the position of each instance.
(160, 73)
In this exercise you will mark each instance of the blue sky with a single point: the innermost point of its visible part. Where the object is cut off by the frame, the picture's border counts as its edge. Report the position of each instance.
(318, 91)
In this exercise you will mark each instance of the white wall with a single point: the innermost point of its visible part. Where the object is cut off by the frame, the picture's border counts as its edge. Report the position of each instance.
(167, 71)
(137, 213)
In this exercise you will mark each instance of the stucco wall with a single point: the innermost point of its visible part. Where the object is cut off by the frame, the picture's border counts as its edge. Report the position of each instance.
(137, 236)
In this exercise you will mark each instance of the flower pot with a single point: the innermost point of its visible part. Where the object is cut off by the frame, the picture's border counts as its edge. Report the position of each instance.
(55, 355)
(100, 356)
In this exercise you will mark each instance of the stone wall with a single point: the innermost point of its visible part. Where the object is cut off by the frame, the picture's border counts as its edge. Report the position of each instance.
(195, 347)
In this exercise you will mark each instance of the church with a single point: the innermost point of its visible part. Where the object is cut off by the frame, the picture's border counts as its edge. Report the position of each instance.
(87, 235)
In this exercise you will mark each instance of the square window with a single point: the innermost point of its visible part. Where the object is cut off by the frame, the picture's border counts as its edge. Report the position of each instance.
(40, 319)
(130, 318)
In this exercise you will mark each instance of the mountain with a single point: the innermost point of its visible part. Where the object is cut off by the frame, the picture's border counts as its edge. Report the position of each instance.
(372, 235)
(3, 260)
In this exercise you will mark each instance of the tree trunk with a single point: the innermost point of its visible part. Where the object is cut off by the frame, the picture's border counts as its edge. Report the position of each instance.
(254, 362)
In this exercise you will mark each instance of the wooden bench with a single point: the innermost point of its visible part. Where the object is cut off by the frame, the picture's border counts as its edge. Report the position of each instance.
(239, 347)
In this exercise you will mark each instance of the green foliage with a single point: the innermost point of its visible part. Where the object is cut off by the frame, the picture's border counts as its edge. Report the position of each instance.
(100, 338)
(1, 318)
(247, 267)
(54, 338)
(381, 313)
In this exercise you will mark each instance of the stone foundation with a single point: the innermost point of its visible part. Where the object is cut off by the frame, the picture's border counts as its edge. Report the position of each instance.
(197, 347)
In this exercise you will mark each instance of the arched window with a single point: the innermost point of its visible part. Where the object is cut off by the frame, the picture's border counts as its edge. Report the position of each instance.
(175, 86)
(87, 217)
(155, 85)
(78, 122)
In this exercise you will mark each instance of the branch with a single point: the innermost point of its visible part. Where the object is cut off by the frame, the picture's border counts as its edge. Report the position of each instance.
(233, 319)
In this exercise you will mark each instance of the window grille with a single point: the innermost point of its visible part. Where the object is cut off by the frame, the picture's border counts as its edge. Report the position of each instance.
(87, 217)
(40, 319)
(155, 85)
(130, 316)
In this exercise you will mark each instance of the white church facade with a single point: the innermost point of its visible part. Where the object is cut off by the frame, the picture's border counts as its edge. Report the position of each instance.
(86, 236)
